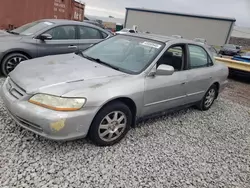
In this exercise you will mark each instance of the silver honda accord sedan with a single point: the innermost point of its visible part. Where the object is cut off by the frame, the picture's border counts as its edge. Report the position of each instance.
(103, 91)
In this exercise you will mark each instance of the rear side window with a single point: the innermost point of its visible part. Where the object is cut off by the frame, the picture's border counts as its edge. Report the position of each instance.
(198, 57)
(63, 33)
(90, 33)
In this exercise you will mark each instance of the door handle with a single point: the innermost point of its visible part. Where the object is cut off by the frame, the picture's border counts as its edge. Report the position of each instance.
(183, 83)
(72, 47)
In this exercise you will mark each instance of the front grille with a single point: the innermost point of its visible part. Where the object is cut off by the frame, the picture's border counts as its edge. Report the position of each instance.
(15, 90)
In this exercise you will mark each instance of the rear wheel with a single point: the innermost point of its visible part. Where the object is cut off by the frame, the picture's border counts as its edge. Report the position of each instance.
(111, 124)
(11, 61)
(209, 98)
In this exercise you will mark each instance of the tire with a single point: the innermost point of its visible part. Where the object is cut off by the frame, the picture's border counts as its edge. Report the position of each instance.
(207, 102)
(11, 61)
(104, 124)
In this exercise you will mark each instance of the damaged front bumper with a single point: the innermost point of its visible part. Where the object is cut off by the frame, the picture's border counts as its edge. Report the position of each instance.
(54, 125)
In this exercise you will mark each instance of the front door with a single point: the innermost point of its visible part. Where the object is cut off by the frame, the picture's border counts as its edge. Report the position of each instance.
(166, 92)
(63, 41)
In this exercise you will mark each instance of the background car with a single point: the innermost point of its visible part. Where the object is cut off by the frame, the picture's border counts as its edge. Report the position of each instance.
(126, 30)
(230, 49)
(103, 91)
(94, 23)
(177, 36)
(46, 37)
(245, 57)
(200, 40)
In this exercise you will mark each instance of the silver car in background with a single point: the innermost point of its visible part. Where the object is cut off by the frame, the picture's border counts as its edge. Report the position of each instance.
(102, 92)
(46, 37)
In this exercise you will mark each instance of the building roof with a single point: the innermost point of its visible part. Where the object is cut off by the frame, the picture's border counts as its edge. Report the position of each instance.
(107, 19)
(183, 14)
(241, 32)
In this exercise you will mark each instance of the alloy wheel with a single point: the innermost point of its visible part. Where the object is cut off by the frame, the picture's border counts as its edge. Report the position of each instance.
(112, 126)
(209, 99)
(13, 62)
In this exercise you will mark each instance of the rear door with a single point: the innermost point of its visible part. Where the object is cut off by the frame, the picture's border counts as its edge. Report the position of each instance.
(88, 36)
(63, 41)
(200, 73)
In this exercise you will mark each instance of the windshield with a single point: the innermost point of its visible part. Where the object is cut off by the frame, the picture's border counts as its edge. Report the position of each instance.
(31, 28)
(126, 53)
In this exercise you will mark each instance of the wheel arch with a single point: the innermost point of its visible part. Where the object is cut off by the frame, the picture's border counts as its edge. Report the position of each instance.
(16, 51)
(217, 84)
(125, 100)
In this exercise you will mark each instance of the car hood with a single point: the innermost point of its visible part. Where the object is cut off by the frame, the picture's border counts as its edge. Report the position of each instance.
(6, 37)
(3, 32)
(59, 72)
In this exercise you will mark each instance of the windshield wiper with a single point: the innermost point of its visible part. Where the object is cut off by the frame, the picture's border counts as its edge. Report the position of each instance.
(100, 62)
(13, 32)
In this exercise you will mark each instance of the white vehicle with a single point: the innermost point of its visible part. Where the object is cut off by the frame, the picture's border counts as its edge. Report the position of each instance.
(126, 30)
(200, 40)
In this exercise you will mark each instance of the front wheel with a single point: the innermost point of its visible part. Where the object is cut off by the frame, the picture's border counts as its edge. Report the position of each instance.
(111, 124)
(209, 98)
(11, 61)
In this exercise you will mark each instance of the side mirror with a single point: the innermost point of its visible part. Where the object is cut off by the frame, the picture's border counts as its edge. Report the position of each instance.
(45, 36)
(164, 70)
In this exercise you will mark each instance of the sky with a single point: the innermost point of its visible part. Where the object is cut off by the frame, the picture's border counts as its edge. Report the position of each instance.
(238, 9)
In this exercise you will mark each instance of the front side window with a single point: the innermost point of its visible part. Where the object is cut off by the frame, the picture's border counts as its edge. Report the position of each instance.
(90, 33)
(32, 28)
(198, 57)
(63, 33)
(129, 54)
(174, 57)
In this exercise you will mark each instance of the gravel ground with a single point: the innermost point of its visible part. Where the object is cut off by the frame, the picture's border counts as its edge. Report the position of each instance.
(238, 91)
(184, 149)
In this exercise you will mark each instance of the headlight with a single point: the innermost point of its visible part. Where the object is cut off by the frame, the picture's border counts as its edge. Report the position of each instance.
(57, 103)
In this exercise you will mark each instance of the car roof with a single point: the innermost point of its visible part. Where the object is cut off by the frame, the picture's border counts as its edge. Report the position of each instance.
(162, 38)
(62, 21)
(59, 21)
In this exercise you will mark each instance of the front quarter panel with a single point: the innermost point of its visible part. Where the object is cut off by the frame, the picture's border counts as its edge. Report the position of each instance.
(100, 93)
(26, 45)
